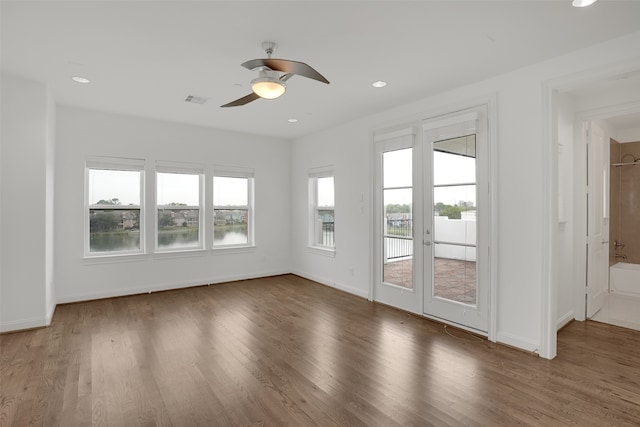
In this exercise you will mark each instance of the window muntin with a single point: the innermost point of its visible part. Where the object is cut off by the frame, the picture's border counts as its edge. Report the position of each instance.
(178, 211)
(232, 211)
(114, 213)
(322, 212)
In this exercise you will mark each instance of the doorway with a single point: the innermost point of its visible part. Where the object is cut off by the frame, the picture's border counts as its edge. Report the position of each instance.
(432, 219)
(590, 116)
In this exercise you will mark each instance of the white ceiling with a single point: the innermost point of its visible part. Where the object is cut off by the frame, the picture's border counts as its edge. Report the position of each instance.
(145, 57)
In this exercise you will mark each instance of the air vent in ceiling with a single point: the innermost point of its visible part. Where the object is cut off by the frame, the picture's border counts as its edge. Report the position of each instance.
(196, 99)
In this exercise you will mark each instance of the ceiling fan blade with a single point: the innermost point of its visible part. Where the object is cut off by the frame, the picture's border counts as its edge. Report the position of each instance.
(285, 77)
(242, 101)
(286, 66)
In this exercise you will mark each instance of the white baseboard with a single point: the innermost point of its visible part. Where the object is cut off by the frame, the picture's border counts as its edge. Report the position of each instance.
(20, 324)
(518, 342)
(143, 289)
(340, 286)
(50, 312)
(564, 319)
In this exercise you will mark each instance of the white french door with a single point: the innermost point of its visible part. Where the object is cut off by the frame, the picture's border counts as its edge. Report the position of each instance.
(395, 248)
(456, 229)
(432, 219)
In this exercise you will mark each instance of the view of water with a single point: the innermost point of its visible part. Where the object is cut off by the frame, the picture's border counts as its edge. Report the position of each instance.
(114, 241)
(171, 239)
(230, 237)
(178, 239)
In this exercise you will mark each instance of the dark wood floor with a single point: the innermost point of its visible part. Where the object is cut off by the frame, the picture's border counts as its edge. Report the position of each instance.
(286, 351)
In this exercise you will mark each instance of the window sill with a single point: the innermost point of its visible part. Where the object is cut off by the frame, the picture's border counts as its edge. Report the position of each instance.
(328, 252)
(114, 258)
(224, 250)
(184, 253)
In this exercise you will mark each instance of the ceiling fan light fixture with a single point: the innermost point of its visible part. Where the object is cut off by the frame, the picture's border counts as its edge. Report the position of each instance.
(268, 86)
(582, 3)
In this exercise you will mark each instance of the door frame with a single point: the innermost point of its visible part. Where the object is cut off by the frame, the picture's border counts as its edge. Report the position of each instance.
(550, 185)
(490, 101)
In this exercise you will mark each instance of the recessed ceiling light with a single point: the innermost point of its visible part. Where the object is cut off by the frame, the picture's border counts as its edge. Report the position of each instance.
(379, 83)
(582, 3)
(292, 120)
(79, 79)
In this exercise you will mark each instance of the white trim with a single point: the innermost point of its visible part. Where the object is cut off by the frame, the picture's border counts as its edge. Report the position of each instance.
(321, 171)
(110, 293)
(336, 285)
(249, 208)
(322, 250)
(492, 139)
(518, 342)
(114, 163)
(449, 120)
(128, 165)
(232, 249)
(163, 166)
(385, 136)
(50, 312)
(565, 319)
(549, 247)
(114, 258)
(179, 253)
(20, 324)
(233, 171)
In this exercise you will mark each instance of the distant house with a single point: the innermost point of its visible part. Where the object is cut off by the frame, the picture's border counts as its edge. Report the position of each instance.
(399, 219)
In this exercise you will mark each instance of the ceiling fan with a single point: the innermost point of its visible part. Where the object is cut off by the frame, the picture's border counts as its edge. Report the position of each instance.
(272, 75)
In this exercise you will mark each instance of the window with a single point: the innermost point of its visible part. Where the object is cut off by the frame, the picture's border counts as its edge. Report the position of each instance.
(178, 203)
(114, 215)
(233, 208)
(322, 211)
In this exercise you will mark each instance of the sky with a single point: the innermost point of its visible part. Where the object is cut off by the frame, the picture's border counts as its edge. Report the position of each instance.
(447, 169)
(184, 188)
(172, 188)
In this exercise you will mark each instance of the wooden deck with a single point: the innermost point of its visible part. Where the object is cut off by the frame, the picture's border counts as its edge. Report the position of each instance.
(285, 351)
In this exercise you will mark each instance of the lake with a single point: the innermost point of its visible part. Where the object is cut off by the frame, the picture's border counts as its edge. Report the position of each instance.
(167, 239)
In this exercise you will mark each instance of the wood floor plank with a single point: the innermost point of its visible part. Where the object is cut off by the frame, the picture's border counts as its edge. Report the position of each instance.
(284, 350)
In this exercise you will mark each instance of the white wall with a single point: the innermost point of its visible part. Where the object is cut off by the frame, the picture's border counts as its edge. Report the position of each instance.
(523, 164)
(82, 133)
(26, 266)
(346, 149)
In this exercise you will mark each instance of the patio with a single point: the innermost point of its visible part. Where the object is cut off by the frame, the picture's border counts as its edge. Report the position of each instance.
(454, 279)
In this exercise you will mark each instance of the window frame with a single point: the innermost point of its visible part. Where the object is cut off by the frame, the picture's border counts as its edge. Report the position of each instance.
(166, 167)
(113, 164)
(314, 207)
(242, 173)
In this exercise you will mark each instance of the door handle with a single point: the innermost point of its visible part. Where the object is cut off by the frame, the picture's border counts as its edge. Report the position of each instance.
(426, 242)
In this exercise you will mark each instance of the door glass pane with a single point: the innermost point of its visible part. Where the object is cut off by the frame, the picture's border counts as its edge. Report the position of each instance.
(454, 208)
(397, 197)
(397, 168)
(454, 161)
(455, 273)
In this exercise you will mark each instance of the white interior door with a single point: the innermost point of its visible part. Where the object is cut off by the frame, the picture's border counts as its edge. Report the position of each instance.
(597, 217)
(456, 230)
